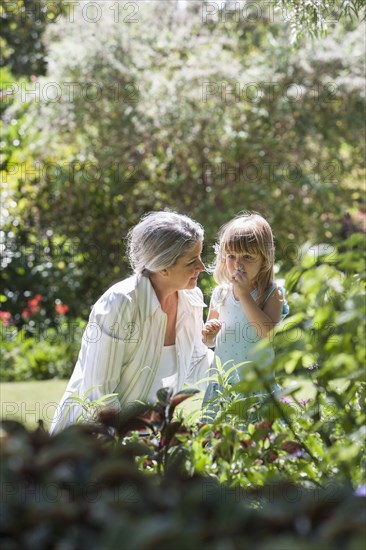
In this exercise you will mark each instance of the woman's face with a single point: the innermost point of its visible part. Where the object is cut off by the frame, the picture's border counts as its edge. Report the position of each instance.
(183, 275)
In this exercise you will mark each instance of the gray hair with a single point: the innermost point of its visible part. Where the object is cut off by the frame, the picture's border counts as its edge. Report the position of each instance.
(159, 240)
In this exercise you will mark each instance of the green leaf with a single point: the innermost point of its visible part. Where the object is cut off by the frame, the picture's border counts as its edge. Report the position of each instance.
(290, 322)
(293, 360)
(164, 395)
(239, 408)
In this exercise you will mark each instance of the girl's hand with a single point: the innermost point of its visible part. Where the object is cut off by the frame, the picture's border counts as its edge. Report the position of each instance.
(241, 283)
(210, 330)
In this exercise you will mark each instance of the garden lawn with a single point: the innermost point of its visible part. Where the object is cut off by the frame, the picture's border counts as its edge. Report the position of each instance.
(29, 401)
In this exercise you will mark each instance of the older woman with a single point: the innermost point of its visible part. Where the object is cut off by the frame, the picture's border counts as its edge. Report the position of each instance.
(145, 331)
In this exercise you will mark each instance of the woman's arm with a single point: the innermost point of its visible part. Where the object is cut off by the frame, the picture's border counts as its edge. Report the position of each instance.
(99, 366)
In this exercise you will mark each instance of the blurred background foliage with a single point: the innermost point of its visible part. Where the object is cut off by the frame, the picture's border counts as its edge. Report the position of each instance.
(114, 111)
(110, 113)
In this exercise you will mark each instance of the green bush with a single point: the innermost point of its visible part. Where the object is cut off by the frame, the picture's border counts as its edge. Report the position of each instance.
(157, 479)
(167, 132)
(320, 355)
(50, 353)
(87, 487)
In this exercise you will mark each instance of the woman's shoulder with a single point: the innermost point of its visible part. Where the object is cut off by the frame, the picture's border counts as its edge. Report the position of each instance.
(123, 289)
(126, 287)
(118, 295)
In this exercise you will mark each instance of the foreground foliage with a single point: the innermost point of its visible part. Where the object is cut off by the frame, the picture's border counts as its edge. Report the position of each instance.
(152, 478)
(80, 489)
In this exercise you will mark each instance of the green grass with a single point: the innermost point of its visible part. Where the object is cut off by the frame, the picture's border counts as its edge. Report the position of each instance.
(29, 401)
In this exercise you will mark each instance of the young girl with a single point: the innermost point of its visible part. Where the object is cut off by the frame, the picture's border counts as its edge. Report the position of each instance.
(247, 304)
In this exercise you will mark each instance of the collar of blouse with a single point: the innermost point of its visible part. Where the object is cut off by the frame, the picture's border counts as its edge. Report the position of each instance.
(148, 302)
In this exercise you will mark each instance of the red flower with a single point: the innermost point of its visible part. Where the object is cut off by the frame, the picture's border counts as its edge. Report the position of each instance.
(33, 304)
(5, 316)
(62, 309)
(26, 313)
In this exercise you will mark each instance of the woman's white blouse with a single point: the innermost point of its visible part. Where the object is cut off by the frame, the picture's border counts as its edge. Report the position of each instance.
(167, 373)
(122, 345)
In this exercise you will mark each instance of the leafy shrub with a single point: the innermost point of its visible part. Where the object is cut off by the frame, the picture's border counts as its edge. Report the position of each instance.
(83, 488)
(152, 478)
(320, 354)
(47, 354)
(218, 153)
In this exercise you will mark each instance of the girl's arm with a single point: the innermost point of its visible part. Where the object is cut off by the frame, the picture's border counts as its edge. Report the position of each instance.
(262, 320)
(211, 328)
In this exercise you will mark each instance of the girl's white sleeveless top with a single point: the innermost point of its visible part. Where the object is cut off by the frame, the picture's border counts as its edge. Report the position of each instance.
(237, 337)
(167, 372)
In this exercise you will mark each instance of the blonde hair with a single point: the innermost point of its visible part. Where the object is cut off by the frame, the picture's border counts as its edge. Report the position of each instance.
(247, 233)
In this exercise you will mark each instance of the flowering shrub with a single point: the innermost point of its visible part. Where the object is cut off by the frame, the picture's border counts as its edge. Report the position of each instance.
(5, 317)
(33, 307)
(34, 349)
(61, 309)
(31, 311)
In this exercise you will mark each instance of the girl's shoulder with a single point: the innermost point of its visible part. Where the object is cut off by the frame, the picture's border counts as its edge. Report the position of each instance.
(274, 287)
(279, 290)
(219, 295)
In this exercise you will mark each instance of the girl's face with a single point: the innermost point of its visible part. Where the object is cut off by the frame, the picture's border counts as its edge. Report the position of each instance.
(248, 263)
